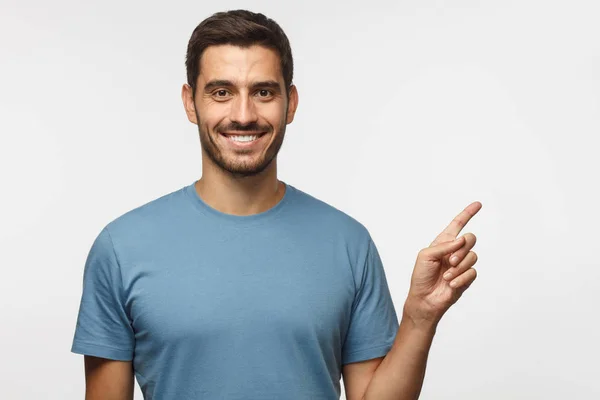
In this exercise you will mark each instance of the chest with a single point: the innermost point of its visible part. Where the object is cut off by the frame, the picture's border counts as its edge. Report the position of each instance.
(204, 292)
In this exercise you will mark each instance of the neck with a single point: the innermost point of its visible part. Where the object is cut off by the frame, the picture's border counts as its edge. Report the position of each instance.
(240, 195)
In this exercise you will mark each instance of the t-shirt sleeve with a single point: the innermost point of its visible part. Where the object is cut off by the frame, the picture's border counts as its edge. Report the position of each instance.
(374, 323)
(103, 327)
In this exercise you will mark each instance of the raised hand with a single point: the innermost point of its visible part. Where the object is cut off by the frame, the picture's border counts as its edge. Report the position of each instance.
(443, 271)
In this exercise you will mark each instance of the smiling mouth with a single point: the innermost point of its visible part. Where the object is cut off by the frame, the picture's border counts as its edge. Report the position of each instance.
(245, 137)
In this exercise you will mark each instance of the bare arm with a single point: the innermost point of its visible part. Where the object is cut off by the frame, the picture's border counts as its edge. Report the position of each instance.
(108, 379)
(357, 376)
(401, 373)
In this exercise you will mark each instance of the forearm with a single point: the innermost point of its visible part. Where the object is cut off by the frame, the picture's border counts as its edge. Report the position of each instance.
(400, 375)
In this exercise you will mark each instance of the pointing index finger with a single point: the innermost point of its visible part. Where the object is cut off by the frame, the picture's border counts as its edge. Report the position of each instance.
(458, 223)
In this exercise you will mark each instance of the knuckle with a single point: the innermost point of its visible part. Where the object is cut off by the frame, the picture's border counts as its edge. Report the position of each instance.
(460, 221)
(474, 256)
(471, 238)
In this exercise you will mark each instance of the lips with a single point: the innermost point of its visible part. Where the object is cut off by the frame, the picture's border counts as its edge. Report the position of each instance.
(259, 134)
(228, 136)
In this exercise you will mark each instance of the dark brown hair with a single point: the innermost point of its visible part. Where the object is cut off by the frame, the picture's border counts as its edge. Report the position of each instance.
(239, 28)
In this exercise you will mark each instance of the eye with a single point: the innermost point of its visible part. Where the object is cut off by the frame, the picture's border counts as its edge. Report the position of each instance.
(264, 93)
(221, 93)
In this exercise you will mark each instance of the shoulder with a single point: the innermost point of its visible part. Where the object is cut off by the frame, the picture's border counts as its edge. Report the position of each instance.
(148, 217)
(330, 218)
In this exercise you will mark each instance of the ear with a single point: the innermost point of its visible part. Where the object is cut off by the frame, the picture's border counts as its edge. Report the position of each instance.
(292, 104)
(188, 103)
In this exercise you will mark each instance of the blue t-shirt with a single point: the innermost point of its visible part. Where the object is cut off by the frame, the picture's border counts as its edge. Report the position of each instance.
(210, 305)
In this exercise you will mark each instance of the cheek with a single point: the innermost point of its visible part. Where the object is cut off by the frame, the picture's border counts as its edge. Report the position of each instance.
(210, 123)
(211, 113)
(274, 114)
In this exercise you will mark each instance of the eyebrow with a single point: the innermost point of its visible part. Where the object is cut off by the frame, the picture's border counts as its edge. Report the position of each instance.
(216, 83)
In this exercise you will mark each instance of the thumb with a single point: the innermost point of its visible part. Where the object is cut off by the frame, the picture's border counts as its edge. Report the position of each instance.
(439, 251)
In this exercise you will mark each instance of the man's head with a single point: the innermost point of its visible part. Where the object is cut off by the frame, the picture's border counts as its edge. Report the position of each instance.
(239, 90)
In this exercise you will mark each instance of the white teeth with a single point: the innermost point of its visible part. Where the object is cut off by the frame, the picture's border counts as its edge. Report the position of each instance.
(243, 138)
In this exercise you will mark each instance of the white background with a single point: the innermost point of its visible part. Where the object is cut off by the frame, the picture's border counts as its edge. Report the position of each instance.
(409, 111)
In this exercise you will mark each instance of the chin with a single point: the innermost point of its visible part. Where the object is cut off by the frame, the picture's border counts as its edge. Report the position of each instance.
(246, 170)
(252, 168)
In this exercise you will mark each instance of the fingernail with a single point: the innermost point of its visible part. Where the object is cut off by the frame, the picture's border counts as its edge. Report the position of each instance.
(454, 259)
(447, 275)
(453, 283)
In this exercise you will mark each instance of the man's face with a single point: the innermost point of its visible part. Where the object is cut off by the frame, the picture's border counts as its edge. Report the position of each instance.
(241, 107)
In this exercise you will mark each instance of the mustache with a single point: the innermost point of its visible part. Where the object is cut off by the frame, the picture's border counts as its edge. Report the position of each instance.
(252, 128)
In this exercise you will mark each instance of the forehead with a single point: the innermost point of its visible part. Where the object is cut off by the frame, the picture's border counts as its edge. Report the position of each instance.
(239, 64)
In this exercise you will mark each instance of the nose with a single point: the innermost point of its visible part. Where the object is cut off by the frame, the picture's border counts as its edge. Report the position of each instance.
(243, 110)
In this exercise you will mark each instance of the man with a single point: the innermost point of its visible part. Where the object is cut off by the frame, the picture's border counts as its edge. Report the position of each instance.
(241, 286)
